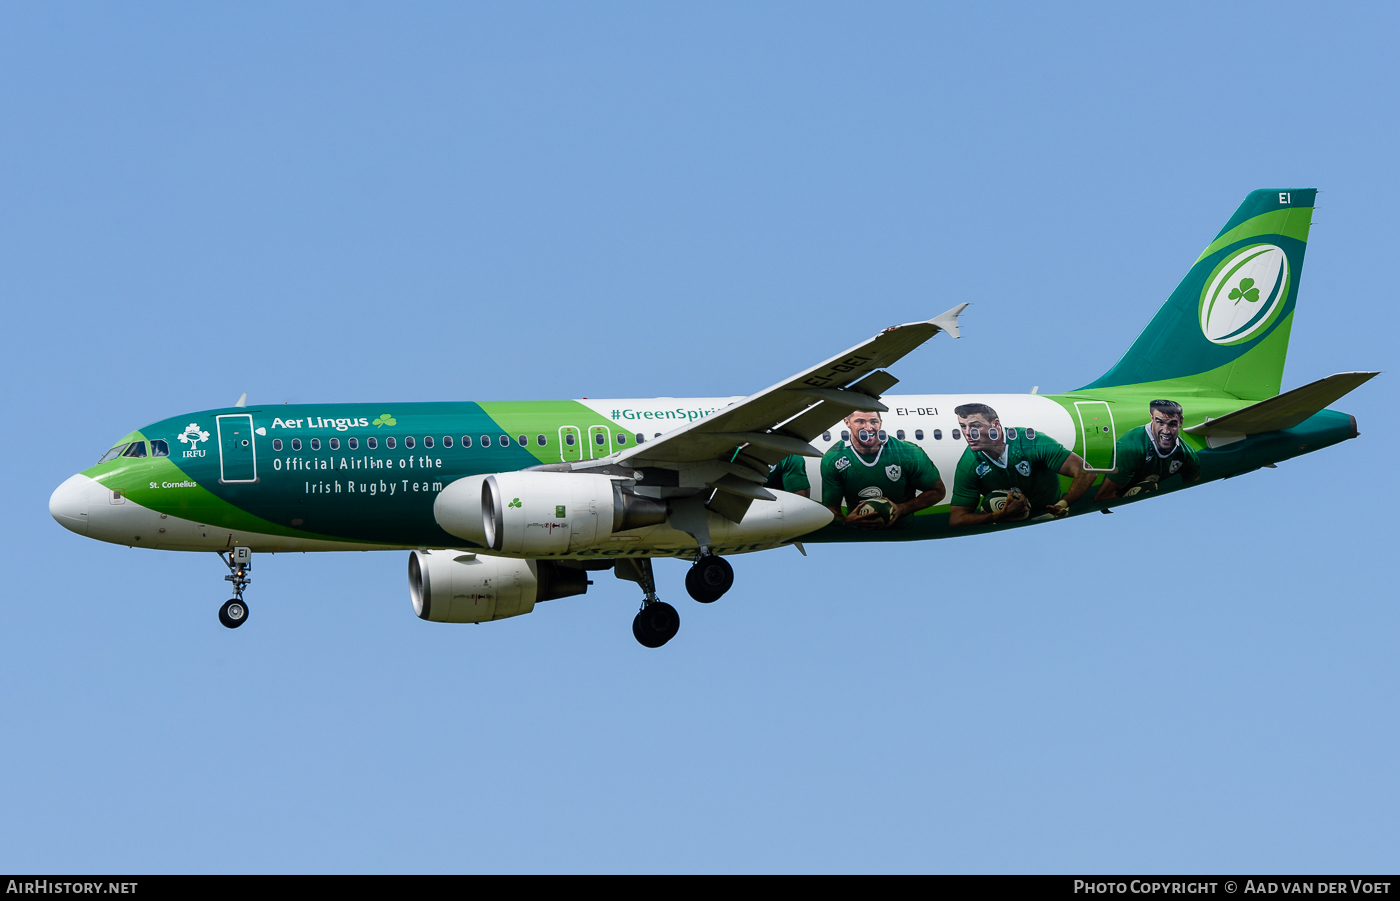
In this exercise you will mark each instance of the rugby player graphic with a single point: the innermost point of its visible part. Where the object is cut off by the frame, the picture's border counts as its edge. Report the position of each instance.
(790, 475)
(1014, 473)
(880, 479)
(1150, 455)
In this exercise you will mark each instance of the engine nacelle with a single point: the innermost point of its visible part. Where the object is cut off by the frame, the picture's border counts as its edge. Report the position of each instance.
(542, 513)
(462, 587)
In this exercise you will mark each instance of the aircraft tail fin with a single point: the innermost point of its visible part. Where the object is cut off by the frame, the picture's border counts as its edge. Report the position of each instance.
(1225, 328)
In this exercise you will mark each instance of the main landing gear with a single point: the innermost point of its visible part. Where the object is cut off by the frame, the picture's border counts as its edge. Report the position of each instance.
(657, 622)
(239, 561)
(709, 578)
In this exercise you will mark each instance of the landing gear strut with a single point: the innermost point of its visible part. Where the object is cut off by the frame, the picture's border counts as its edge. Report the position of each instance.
(709, 578)
(657, 622)
(239, 561)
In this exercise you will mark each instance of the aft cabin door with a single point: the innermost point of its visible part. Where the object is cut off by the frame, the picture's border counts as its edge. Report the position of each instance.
(237, 459)
(1100, 437)
(570, 444)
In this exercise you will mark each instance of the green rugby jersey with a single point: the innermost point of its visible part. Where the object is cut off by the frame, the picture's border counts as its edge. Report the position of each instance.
(1140, 464)
(898, 471)
(1032, 465)
(789, 475)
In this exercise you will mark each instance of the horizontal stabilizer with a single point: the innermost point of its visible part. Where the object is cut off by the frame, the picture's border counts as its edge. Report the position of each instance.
(1284, 411)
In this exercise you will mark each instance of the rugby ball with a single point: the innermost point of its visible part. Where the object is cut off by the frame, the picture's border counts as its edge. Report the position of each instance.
(882, 507)
(993, 503)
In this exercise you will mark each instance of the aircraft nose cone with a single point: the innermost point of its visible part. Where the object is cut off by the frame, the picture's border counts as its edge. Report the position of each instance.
(69, 504)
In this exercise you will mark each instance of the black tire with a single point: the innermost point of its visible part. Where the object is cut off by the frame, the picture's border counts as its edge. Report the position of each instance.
(233, 613)
(709, 578)
(656, 624)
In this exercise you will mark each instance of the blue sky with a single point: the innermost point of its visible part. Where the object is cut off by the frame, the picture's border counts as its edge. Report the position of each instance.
(345, 202)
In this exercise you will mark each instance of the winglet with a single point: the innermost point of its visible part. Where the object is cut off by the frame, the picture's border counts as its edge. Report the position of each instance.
(242, 400)
(949, 321)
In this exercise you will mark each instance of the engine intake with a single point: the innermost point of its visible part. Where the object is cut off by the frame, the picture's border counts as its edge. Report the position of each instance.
(455, 587)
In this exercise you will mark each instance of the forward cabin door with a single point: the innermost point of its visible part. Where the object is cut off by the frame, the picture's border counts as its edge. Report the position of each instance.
(1100, 437)
(237, 453)
(570, 444)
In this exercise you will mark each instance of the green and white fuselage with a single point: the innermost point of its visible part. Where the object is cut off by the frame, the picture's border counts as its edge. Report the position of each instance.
(328, 495)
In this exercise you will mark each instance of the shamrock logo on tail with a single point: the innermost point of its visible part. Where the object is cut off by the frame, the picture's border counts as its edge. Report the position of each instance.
(1246, 291)
(386, 419)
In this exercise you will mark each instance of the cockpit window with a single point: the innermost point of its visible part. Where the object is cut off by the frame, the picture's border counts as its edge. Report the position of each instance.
(112, 454)
(137, 449)
(159, 448)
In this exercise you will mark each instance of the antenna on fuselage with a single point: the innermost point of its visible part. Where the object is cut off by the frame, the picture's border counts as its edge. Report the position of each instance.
(242, 400)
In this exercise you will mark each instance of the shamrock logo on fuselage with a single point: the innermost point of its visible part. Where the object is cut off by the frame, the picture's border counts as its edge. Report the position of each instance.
(1246, 291)
(386, 419)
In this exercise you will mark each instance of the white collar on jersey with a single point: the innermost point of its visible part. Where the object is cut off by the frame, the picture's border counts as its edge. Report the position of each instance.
(861, 457)
(999, 461)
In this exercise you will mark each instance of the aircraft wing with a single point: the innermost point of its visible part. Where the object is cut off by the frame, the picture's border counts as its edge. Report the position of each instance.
(742, 441)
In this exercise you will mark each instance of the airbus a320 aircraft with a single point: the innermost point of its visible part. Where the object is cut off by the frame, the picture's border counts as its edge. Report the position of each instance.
(505, 505)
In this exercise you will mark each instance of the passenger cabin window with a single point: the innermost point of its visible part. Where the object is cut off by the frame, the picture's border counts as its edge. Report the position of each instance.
(316, 443)
(937, 434)
(1030, 434)
(354, 443)
(826, 436)
(466, 441)
(505, 441)
(427, 440)
(408, 442)
(137, 449)
(391, 443)
(621, 437)
(899, 434)
(485, 440)
(640, 438)
(541, 440)
(569, 438)
(335, 444)
(522, 440)
(956, 435)
(372, 442)
(159, 448)
(881, 435)
(597, 439)
(277, 445)
(845, 435)
(446, 440)
(296, 444)
(112, 454)
(918, 434)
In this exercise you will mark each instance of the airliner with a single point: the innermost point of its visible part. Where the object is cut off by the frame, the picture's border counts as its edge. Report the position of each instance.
(505, 505)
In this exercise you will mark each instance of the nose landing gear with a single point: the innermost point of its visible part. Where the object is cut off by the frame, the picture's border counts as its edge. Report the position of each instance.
(239, 561)
(709, 578)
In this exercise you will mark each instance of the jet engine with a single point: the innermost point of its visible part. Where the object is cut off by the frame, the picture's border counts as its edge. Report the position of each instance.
(462, 587)
(542, 513)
